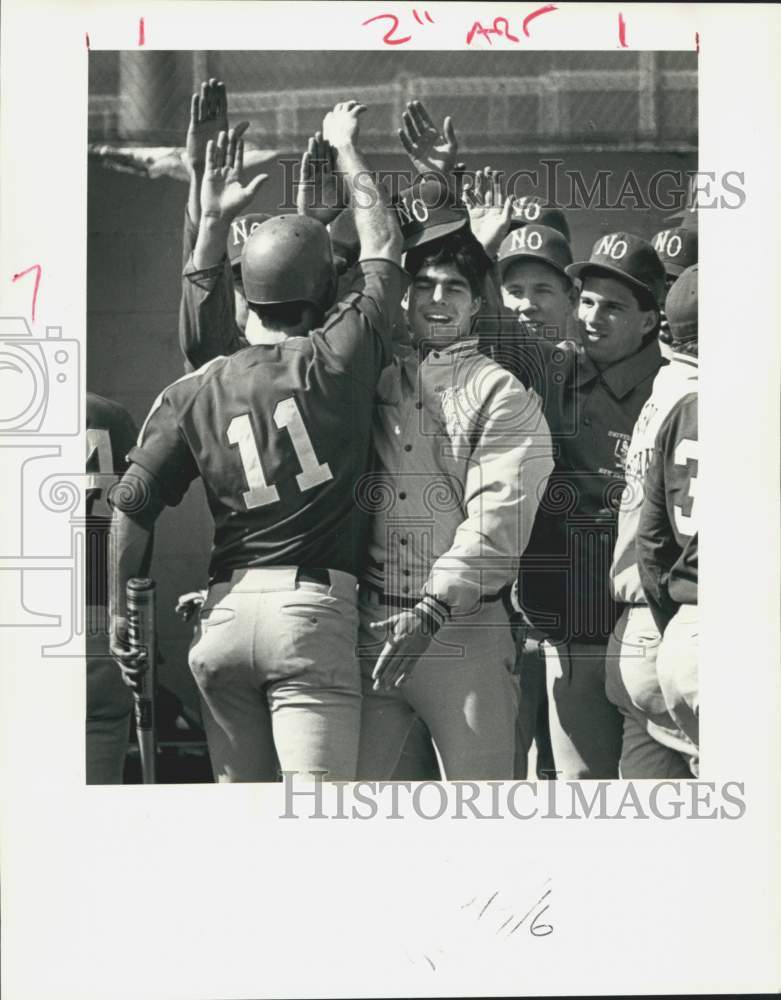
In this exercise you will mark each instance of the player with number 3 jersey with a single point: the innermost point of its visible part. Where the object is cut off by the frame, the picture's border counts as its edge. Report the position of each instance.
(667, 544)
(279, 433)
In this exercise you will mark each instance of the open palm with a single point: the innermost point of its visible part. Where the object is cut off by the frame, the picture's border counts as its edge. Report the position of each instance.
(223, 193)
(489, 211)
(429, 148)
(320, 193)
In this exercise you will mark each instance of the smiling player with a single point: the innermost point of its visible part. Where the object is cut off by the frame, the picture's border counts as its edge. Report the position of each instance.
(463, 453)
(591, 404)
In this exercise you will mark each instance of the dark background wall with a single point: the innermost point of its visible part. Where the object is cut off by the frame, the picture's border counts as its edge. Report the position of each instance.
(134, 237)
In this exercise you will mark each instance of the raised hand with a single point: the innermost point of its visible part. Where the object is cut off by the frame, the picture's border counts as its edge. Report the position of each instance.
(223, 195)
(320, 192)
(340, 126)
(427, 147)
(208, 117)
(490, 212)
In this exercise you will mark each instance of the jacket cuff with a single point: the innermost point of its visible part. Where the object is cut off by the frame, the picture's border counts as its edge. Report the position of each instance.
(196, 275)
(433, 612)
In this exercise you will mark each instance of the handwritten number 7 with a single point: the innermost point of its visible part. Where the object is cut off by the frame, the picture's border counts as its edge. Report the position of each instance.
(21, 274)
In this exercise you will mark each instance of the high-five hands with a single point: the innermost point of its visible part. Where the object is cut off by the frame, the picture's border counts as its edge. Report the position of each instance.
(320, 193)
(490, 212)
(208, 117)
(223, 194)
(430, 149)
(340, 126)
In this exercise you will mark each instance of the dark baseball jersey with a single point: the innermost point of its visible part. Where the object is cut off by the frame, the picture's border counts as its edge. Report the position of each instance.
(564, 583)
(280, 434)
(110, 435)
(667, 536)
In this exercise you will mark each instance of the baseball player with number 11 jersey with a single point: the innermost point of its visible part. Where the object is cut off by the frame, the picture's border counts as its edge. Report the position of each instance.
(279, 433)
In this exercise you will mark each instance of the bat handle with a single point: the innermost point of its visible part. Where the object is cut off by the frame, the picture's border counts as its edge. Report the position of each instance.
(141, 634)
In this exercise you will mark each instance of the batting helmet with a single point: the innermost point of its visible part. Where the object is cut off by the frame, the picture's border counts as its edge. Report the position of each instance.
(288, 259)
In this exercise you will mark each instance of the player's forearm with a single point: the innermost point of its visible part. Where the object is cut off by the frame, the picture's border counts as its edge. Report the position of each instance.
(207, 317)
(130, 554)
(212, 238)
(375, 220)
(194, 194)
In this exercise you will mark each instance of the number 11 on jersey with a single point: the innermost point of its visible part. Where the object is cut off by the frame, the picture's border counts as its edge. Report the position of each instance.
(286, 416)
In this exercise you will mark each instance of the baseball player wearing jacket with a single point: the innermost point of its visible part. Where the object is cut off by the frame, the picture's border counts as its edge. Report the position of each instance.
(463, 453)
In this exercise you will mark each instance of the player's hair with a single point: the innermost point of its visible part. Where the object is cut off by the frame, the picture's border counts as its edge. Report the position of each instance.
(281, 315)
(461, 249)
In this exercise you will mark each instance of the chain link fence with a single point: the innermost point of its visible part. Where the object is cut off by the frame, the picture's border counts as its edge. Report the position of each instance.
(500, 102)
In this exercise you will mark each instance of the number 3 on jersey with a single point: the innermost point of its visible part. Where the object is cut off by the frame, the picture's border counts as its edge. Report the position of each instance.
(687, 452)
(286, 415)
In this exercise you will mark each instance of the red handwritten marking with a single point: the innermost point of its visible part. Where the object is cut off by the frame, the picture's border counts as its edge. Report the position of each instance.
(549, 8)
(622, 32)
(697, 41)
(387, 40)
(86, 38)
(473, 31)
(21, 274)
(141, 32)
(429, 18)
(417, 18)
(507, 33)
(494, 30)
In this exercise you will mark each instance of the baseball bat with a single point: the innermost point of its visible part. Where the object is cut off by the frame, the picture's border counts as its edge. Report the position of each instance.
(141, 635)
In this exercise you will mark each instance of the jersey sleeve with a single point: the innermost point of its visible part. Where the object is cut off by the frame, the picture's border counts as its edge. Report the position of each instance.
(657, 548)
(162, 453)
(189, 236)
(207, 318)
(126, 435)
(358, 333)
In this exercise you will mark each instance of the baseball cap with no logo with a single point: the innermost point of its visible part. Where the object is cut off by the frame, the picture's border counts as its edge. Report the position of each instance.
(629, 258)
(428, 211)
(677, 249)
(531, 209)
(533, 242)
